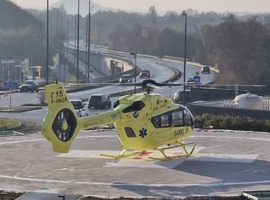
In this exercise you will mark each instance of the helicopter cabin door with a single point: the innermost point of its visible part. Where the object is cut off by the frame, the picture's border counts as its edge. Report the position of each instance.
(173, 125)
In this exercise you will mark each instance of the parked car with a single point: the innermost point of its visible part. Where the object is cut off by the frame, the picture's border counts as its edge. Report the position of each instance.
(99, 101)
(205, 69)
(125, 78)
(178, 96)
(145, 73)
(29, 86)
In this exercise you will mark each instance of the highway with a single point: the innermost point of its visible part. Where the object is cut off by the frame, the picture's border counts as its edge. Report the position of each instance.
(155, 65)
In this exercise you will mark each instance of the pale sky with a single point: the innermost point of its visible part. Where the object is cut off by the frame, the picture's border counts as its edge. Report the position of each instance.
(251, 6)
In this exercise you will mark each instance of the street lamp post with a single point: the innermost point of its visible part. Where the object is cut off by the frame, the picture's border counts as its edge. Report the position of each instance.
(88, 40)
(47, 48)
(78, 36)
(135, 69)
(185, 57)
(67, 47)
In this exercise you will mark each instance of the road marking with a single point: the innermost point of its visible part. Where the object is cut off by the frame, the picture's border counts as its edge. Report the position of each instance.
(197, 156)
(134, 184)
(235, 158)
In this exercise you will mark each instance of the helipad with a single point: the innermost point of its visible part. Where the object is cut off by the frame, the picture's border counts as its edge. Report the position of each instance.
(224, 163)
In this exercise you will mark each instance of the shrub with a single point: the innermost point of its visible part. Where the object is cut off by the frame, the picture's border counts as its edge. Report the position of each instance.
(231, 121)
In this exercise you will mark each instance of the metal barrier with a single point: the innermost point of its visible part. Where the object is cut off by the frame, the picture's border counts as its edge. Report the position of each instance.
(29, 129)
(266, 103)
(6, 93)
(9, 133)
(230, 103)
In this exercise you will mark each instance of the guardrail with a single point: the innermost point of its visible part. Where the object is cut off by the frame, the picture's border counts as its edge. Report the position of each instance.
(5, 93)
(233, 104)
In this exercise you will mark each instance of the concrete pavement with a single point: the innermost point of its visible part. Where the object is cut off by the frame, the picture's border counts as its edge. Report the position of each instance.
(225, 163)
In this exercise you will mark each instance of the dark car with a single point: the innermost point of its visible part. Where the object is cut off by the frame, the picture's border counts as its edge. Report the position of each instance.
(77, 104)
(125, 78)
(145, 74)
(91, 69)
(29, 86)
(178, 96)
(99, 101)
(205, 69)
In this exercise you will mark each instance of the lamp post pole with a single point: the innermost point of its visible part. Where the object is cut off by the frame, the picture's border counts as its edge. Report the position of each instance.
(47, 48)
(78, 36)
(88, 41)
(185, 57)
(135, 69)
(67, 49)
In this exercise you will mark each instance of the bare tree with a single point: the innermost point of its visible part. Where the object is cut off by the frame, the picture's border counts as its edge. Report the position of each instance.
(151, 17)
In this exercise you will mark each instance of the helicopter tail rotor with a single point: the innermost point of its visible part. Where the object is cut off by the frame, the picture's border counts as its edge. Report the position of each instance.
(60, 125)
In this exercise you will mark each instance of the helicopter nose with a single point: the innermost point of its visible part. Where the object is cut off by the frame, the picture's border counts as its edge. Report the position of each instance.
(192, 119)
(193, 122)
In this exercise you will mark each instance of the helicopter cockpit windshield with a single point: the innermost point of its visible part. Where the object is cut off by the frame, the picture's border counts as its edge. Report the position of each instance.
(175, 118)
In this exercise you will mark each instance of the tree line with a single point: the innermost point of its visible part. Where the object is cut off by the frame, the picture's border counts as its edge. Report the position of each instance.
(238, 47)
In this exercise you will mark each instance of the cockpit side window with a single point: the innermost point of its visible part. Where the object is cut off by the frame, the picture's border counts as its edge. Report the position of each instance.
(164, 119)
(187, 118)
(155, 121)
(177, 118)
(161, 121)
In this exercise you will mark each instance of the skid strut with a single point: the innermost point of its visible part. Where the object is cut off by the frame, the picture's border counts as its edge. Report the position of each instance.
(124, 153)
(179, 144)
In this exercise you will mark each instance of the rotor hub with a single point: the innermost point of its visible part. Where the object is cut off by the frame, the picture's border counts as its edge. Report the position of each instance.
(64, 125)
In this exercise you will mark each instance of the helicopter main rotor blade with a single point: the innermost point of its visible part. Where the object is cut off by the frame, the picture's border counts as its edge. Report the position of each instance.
(169, 84)
(150, 85)
(146, 84)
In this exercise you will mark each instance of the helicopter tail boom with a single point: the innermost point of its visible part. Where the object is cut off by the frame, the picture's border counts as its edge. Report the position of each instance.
(100, 119)
(60, 124)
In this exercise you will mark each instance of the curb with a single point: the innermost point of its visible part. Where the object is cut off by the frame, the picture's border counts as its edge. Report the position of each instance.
(20, 109)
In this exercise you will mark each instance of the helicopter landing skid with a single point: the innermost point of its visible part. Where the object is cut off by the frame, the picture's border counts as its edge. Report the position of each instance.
(123, 155)
(187, 154)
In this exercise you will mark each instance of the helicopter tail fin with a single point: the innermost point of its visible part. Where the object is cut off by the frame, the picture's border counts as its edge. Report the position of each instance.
(60, 125)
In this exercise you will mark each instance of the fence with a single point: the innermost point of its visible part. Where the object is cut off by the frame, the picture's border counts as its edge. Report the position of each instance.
(266, 103)
(230, 103)
(29, 129)
(9, 133)
(233, 104)
(20, 131)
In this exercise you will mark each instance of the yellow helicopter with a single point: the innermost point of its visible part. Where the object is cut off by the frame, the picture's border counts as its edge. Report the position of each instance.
(143, 121)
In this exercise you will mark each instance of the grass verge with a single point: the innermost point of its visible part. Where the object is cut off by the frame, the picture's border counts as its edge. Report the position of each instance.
(9, 123)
